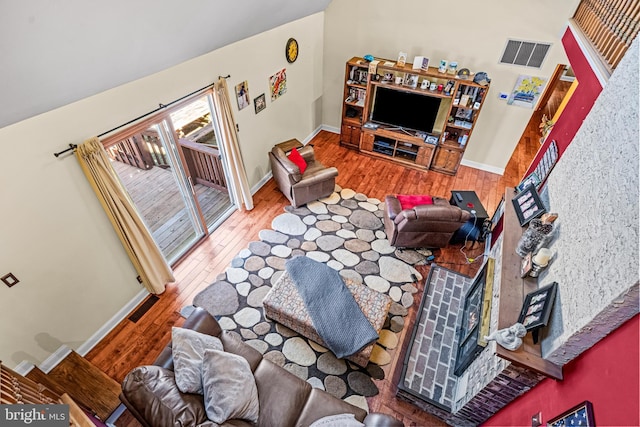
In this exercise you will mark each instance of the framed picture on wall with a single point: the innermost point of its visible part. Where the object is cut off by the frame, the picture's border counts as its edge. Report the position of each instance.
(579, 415)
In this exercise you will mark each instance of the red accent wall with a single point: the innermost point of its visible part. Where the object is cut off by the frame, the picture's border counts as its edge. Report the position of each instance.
(607, 375)
(578, 106)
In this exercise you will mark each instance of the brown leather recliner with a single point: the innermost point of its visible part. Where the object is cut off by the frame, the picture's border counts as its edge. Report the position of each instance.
(152, 396)
(317, 181)
(423, 226)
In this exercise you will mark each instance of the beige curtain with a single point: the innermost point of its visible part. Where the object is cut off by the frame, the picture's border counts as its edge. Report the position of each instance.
(238, 184)
(136, 239)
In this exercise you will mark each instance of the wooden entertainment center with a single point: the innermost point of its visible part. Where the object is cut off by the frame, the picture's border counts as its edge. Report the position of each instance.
(451, 108)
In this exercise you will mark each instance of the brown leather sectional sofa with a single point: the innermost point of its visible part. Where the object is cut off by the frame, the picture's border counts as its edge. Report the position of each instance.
(150, 393)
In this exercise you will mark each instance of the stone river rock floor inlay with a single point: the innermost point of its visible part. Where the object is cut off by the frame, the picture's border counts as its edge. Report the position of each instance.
(344, 230)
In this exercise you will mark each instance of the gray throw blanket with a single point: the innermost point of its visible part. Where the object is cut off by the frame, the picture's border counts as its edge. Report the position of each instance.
(334, 312)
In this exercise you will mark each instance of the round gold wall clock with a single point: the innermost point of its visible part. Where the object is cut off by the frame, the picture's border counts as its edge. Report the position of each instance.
(291, 50)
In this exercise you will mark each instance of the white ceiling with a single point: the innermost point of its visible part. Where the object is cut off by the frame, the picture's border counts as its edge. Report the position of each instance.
(54, 52)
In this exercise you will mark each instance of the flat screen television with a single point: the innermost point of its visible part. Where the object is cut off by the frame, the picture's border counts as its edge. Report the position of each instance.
(407, 110)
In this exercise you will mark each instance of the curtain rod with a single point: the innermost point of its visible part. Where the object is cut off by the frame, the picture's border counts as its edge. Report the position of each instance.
(160, 107)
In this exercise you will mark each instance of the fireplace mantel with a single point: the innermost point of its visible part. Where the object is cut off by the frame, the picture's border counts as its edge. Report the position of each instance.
(513, 291)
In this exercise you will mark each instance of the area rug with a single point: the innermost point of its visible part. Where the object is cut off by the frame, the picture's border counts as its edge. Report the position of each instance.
(345, 231)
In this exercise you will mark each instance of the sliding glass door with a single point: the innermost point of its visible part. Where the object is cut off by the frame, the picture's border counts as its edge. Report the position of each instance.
(175, 175)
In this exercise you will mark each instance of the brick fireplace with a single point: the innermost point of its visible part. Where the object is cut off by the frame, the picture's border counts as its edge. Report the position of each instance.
(428, 381)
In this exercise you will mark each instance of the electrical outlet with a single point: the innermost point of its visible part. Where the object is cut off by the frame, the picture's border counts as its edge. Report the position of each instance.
(503, 95)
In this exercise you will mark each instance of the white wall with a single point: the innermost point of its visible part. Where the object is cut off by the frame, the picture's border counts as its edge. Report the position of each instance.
(74, 274)
(594, 189)
(471, 33)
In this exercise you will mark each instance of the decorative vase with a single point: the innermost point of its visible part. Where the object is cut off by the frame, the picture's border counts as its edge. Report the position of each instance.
(533, 237)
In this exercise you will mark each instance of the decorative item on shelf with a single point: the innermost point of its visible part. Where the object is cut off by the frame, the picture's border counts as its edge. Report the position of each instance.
(531, 179)
(368, 58)
(481, 78)
(399, 80)
(443, 66)
(540, 261)
(449, 87)
(433, 86)
(453, 68)
(538, 233)
(411, 80)
(527, 265)
(464, 73)
(420, 63)
(425, 84)
(387, 78)
(373, 66)
(402, 59)
(509, 338)
(440, 87)
(536, 309)
(528, 205)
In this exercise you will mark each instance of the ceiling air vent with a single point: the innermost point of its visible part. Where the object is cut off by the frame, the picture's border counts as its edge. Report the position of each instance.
(528, 54)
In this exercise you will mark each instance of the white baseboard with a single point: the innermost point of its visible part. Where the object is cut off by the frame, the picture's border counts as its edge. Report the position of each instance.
(482, 166)
(261, 183)
(328, 128)
(112, 323)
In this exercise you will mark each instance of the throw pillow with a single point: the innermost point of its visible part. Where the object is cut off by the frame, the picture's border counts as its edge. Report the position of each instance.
(408, 201)
(230, 389)
(299, 161)
(342, 420)
(188, 349)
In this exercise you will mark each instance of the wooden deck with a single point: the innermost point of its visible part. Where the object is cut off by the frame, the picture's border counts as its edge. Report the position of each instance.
(160, 203)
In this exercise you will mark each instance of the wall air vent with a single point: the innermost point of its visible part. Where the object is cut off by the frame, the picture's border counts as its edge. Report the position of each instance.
(528, 54)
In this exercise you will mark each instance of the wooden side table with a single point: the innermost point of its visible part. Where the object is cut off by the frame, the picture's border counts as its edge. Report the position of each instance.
(289, 145)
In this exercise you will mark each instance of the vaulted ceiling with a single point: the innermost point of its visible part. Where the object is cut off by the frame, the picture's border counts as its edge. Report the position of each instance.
(54, 52)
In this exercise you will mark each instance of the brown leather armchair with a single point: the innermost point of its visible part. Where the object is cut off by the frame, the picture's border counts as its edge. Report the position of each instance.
(317, 181)
(423, 226)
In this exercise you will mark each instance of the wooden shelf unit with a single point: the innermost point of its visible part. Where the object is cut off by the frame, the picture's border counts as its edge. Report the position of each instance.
(513, 290)
(410, 150)
(457, 116)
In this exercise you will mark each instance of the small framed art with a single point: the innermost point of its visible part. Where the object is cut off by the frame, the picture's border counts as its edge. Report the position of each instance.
(411, 80)
(536, 308)
(528, 205)
(532, 179)
(579, 415)
(260, 103)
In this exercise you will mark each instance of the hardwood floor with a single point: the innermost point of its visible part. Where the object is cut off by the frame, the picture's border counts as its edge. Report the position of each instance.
(133, 344)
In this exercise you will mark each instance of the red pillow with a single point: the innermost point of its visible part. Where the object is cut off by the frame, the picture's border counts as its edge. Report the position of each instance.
(408, 201)
(296, 158)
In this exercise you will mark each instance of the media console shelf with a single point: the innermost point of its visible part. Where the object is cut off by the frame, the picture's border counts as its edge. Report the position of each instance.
(408, 149)
(513, 290)
(446, 109)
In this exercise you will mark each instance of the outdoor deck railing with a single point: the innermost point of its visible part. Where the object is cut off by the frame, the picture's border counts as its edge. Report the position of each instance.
(610, 26)
(144, 151)
(204, 164)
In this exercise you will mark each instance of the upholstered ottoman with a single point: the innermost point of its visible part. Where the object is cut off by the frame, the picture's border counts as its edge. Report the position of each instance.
(284, 305)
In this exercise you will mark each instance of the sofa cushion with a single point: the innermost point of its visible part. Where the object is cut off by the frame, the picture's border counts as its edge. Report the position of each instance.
(408, 201)
(188, 349)
(229, 387)
(296, 158)
(153, 392)
(282, 395)
(342, 420)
